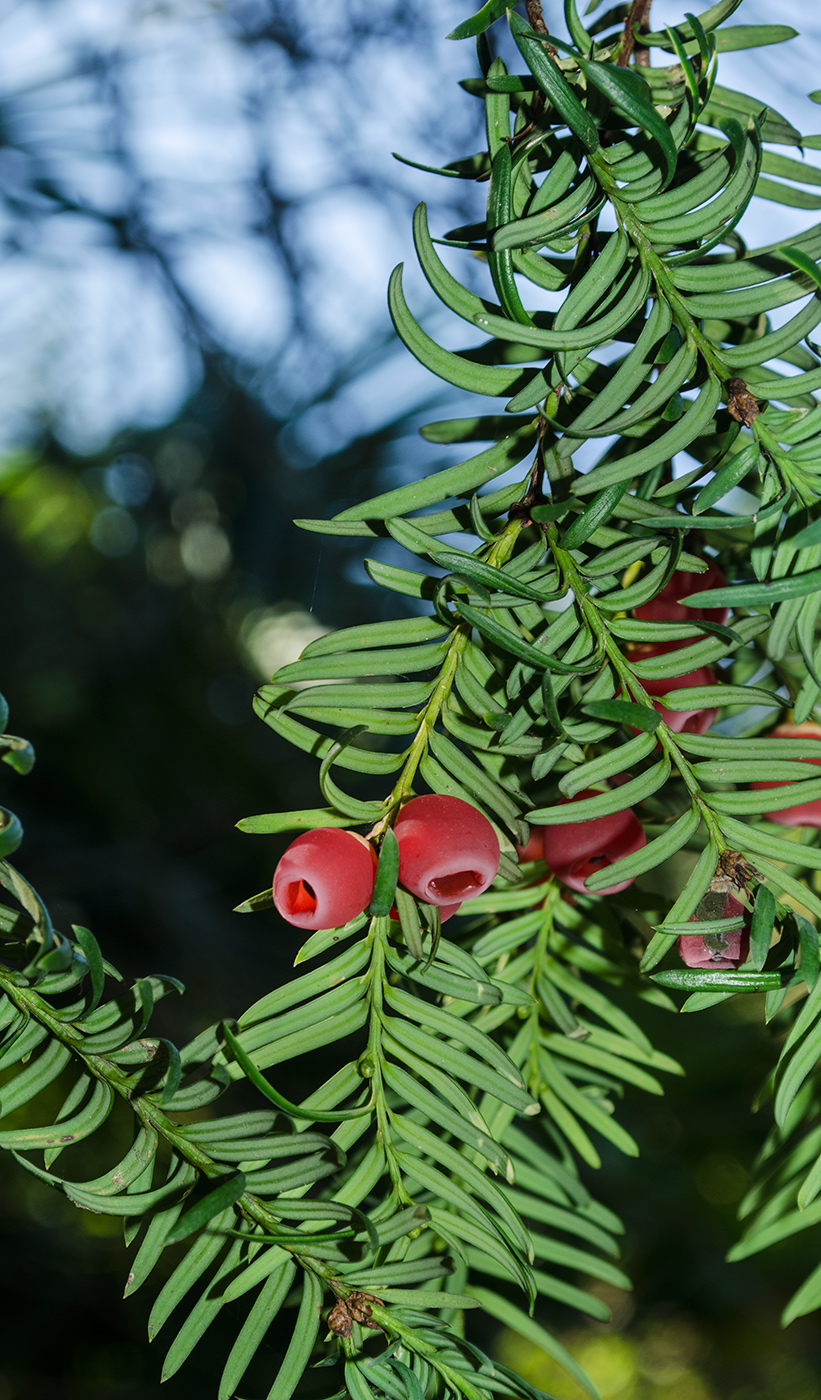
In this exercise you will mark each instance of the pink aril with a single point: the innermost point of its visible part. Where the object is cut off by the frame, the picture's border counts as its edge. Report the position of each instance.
(534, 849)
(803, 813)
(580, 849)
(448, 851)
(722, 949)
(324, 878)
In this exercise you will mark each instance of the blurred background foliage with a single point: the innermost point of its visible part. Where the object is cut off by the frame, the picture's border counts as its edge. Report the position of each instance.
(198, 213)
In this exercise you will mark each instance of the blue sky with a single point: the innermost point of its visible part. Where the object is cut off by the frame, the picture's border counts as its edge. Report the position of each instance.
(92, 339)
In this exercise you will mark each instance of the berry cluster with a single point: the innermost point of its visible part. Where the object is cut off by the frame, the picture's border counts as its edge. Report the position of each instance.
(448, 852)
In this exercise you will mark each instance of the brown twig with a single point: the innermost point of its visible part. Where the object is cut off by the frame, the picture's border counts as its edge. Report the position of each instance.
(638, 15)
(535, 19)
(534, 495)
(536, 112)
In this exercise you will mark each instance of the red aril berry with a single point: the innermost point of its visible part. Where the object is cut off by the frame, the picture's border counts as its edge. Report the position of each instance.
(722, 949)
(667, 607)
(324, 878)
(579, 849)
(447, 850)
(446, 911)
(803, 813)
(534, 850)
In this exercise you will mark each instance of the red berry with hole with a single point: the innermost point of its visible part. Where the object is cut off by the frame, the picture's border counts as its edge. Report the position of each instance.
(324, 878)
(803, 813)
(668, 607)
(580, 849)
(448, 851)
(723, 949)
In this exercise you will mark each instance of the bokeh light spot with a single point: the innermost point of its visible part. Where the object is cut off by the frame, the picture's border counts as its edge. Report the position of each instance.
(162, 559)
(128, 481)
(273, 637)
(205, 551)
(179, 463)
(113, 532)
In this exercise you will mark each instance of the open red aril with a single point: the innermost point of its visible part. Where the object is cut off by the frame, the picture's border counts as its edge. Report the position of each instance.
(448, 851)
(803, 813)
(722, 949)
(324, 878)
(579, 849)
(668, 607)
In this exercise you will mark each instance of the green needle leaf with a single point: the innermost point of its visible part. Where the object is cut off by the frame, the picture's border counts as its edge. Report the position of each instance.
(761, 928)
(205, 1209)
(302, 1341)
(624, 712)
(729, 980)
(11, 833)
(387, 871)
(745, 595)
(268, 823)
(94, 958)
(799, 259)
(553, 82)
(410, 923)
(808, 943)
(479, 22)
(605, 803)
(650, 857)
(488, 575)
(630, 95)
(249, 1069)
(533, 1332)
(727, 477)
(427, 1298)
(599, 510)
(509, 641)
(19, 753)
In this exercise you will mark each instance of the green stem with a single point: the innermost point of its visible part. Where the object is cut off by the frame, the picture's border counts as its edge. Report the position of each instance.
(498, 552)
(150, 1115)
(805, 487)
(374, 1057)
